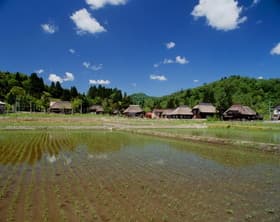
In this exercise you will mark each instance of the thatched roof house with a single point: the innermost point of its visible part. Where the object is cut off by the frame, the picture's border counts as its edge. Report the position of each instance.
(133, 111)
(159, 113)
(182, 112)
(61, 107)
(240, 112)
(2, 107)
(204, 110)
(96, 109)
(167, 113)
(276, 113)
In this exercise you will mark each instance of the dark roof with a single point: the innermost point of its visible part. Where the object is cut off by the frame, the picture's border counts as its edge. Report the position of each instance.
(205, 108)
(61, 105)
(243, 110)
(133, 109)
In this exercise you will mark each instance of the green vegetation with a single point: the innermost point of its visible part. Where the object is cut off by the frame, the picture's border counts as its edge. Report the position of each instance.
(260, 94)
(30, 93)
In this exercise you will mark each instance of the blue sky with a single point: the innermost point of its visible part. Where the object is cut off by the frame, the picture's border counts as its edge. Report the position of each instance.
(151, 46)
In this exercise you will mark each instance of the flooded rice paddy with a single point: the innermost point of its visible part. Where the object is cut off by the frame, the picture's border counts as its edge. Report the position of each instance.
(114, 176)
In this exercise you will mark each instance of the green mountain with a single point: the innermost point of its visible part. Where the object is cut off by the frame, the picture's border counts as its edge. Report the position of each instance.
(260, 94)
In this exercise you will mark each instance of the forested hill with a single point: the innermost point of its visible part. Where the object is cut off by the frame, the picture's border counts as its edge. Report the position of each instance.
(260, 94)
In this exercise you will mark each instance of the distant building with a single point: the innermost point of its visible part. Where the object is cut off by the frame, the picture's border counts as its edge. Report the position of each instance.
(2, 107)
(204, 110)
(133, 111)
(240, 112)
(64, 107)
(96, 109)
(167, 113)
(276, 113)
(182, 112)
(158, 113)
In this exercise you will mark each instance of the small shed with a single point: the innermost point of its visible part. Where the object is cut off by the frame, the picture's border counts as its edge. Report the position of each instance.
(2, 107)
(240, 112)
(158, 113)
(204, 110)
(64, 107)
(133, 111)
(276, 113)
(96, 109)
(167, 113)
(182, 112)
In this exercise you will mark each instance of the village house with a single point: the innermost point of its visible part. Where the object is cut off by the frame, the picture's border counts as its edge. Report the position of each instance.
(2, 107)
(96, 109)
(64, 107)
(204, 110)
(276, 113)
(182, 112)
(133, 111)
(240, 112)
(167, 113)
(158, 113)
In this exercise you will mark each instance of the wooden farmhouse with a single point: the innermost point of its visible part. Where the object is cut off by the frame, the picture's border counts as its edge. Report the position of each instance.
(133, 111)
(96, 109)
(276, 113)
(240, 112)
(64, 107)
(182, 112)
(204, 110)
(2, 107)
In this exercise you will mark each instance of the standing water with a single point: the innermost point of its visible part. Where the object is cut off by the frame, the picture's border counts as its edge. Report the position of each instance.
(113, 176)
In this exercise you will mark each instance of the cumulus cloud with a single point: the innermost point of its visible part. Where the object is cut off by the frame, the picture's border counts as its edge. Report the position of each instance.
(56, 78)
(158, 77)
(181, 60)
(86, 64)
(170, 45)
(260, 77)
(275, 50)
(49, 28)
(85, 23)
(168, 61)
(255, 2)
(72, 51)
(99, 82)
(97, 4)
(220, 14)
(195, 80)
(39, 71)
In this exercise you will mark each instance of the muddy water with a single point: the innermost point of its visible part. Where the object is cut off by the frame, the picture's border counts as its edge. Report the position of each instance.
(112, 176)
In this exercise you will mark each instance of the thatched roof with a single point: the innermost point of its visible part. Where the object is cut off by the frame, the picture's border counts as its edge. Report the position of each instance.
(133, 109)
(182, 110)
(96, 108)
(61, 105)
(205, 108)
(167, 112)
(243, 110)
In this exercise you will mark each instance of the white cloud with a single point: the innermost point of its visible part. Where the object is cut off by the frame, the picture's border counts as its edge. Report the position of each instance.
(86, 64)
(93, 67)
(156, 65)
(97, 4)
(85, 23)
(55, 78)
(275, 50)
(49, 28)
(39, 71)
(260, 77)
(99, 82)
(168, 61)
(170, 45)
(255, 2)
(220, 14)
(181, 60)
(68, 77)
(158, 77)
(195, 80)
(72, 51)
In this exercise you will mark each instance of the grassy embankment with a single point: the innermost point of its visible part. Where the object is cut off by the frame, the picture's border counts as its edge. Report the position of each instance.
(259, 135)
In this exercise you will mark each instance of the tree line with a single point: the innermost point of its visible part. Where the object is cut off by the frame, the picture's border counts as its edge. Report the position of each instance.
(29, 93)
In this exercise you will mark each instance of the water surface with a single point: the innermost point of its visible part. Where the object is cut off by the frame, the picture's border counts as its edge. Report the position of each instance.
(113, 176)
